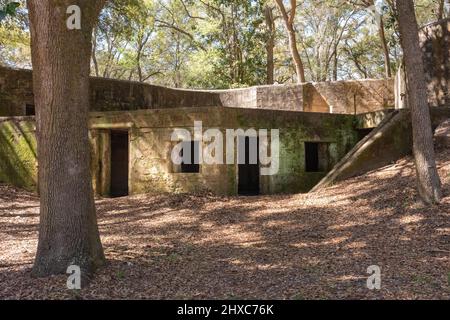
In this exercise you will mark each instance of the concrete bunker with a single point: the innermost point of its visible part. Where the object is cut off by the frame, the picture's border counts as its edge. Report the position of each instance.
(131, 125)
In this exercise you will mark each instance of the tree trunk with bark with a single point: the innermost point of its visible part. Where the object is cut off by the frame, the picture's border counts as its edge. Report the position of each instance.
(68, 231)
(270, 25)
(299, 69)
(94, 54)
(429, 184)
(441, 10)
(381, 32)
(387, 58)
(335, 66)
(289, 24)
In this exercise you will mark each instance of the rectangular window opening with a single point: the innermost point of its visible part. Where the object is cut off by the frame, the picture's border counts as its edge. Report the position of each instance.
(30, 110)
(316, 157)
(191, 149)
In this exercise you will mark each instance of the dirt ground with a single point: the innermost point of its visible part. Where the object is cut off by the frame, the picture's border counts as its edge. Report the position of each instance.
(313, 246)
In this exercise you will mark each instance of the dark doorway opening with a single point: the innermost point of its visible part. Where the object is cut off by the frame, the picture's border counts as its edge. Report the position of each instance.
(362, 133)
(249, 173)
(311, 157)
(317, 157)
(119, 163)
(192, 151)
(30, 110)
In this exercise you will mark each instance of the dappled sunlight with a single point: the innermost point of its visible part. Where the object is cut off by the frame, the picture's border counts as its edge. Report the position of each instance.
(316, 245)
(355, 245)
(443, 230)
(348, 278)
(352, 224)
(413, 219)
(334, 241)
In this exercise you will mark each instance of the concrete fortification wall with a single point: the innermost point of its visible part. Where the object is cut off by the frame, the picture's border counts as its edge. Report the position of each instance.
(150, 167)
(435, 43)
(18, 150)
(344, 97)
(353, 97)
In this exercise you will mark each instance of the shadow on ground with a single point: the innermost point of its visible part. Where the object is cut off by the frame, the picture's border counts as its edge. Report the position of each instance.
(315, 246)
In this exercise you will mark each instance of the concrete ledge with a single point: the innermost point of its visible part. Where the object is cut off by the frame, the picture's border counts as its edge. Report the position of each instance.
(342, 97)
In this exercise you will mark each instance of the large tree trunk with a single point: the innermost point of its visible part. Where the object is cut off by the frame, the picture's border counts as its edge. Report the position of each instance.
(94, 54)
(429, 183)
(68, 232)
(387, 58)
(270, 62)
(270, 24)
(299, 69)
(335, 66)
(138, 64)
(441, 10)
(289, 25)
(382, 33)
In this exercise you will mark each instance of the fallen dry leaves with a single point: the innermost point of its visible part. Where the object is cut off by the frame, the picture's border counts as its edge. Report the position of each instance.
(311, 246)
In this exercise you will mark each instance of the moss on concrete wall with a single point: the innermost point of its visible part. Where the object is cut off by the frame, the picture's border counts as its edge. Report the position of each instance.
(18, 162)
(434, 40)
(391, 141)
(151, 169)
(16, 91)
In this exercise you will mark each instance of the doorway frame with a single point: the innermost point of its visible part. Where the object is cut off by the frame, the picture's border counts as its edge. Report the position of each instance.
(237, 138)
(128, 132)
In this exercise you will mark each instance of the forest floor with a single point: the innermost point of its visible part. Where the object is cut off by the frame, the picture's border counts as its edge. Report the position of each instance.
(310, 246)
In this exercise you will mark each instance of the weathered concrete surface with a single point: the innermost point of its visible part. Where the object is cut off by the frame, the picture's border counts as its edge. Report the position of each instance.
(18, 164)
(353, 97)
(346, 97)
(16, 91)
(389, 142)
(442, 135)
(435, 43)
(341, 97)
(277, 97)
(371, 120)
(151, 145)
(151, 169)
